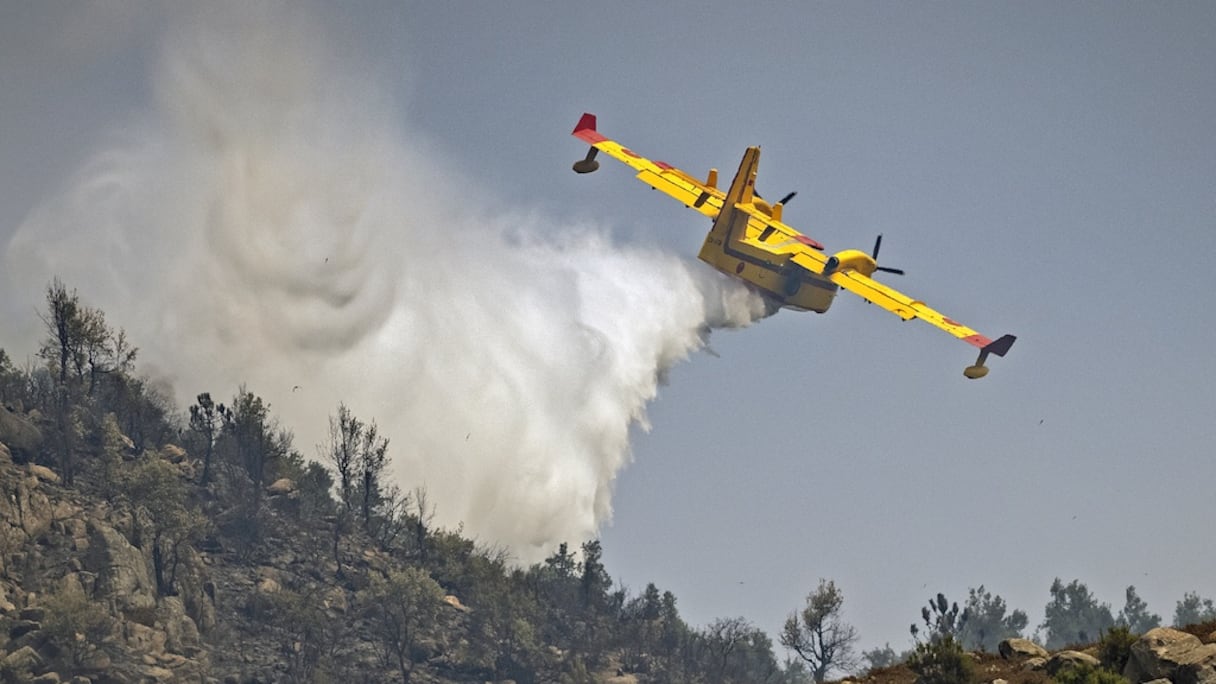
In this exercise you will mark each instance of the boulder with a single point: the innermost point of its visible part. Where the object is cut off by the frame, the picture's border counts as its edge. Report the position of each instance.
(143, 639)
(95, 661)
(335, 600)
(280, 487)
(20, 434)
(27, 507)
(180, 631)
(455, 603)
(24, 659)
(1066, 659)
(22, 627)
(1034, 664)
(1171, 654)
(158, 675)
(122, 572)
(33, 613)
(425, 649)
(43, 473)
(1021, 648)
(196, 589)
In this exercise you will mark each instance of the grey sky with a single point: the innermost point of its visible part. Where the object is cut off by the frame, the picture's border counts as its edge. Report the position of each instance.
(1044, 169)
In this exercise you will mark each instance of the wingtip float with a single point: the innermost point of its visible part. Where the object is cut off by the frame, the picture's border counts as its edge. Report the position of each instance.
(749, 241)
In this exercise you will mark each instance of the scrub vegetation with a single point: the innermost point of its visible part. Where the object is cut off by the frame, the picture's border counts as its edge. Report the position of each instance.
(252, 563)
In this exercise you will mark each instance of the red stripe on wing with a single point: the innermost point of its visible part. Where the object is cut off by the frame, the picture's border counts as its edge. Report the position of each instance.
(813, 244)
(977, 340)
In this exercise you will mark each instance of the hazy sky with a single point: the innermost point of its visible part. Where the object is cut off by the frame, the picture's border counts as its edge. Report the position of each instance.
(1038, 168)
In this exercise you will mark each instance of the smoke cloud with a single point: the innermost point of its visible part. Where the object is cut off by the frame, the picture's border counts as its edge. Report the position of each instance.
(267, 221)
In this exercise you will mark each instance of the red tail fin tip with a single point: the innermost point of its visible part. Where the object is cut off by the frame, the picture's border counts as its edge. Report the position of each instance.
(587, 123)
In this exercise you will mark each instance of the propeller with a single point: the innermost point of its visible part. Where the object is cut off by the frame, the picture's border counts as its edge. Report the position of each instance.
(783, 200)
(874, 254)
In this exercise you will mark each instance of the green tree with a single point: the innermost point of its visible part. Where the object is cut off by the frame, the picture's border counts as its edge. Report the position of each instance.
(1074, 616)
(206, 420)
(1084, 673)
(76, 624)
(80, 347)
(315, 485)
(819, 635)
(879, 658)
(939, 657)
(738, 652)
(311, 640)
(158, 494)
(1192, 610)
(256, 440)
(62, 352)
(987, 624)
(12, 381)
(1115, 648)
(252, 442)
(942, 619)
(941, 660)
(403, 608)
(1135, 615)
(594, 581)
(505, 624)
(562, 563)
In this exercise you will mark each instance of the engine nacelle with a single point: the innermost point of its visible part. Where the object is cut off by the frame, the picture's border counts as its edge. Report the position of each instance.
(850, 259)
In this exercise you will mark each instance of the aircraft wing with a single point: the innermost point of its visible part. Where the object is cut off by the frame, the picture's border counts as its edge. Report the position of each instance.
(907, 308)
(703, 197)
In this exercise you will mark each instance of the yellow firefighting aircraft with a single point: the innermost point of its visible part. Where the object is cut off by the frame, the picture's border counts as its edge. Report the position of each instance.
(749, 241)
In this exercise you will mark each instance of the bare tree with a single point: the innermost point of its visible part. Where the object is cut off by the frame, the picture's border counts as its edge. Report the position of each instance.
(373, 457)
(343, 450)
(359, 456)
(740, 652)
(423, 520)
(818, 634)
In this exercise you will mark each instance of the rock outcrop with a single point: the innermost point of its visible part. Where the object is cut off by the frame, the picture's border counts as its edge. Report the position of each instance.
(20, 434)
(1063, 660)
(1165, 653)
(1017, 649)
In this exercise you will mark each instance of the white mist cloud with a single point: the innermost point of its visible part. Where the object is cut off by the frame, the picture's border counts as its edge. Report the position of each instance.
(268, 221)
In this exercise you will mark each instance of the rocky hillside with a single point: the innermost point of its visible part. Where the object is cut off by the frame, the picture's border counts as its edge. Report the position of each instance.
(1161, 656)
(145, 570)
(79, 600)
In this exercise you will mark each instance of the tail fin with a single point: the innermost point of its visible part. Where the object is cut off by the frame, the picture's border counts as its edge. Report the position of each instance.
(743, 187)
(730, 222)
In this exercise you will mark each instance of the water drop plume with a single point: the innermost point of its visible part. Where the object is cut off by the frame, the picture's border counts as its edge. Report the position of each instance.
(267, 219)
